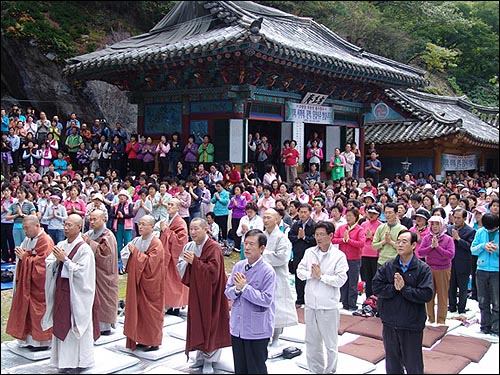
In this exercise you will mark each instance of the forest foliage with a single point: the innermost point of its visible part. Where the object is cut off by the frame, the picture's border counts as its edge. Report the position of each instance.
(456, 42)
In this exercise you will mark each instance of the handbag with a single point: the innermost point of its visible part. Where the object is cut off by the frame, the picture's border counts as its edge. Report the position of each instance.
(291, 352)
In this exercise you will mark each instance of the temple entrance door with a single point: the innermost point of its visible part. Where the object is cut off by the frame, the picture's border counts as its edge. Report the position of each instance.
(270, 129)
(309, 129)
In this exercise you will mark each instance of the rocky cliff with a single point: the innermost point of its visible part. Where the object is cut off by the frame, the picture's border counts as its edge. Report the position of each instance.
(33, 79)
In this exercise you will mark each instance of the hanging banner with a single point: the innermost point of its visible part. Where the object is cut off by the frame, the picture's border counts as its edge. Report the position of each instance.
(315, 114)
(458, 162)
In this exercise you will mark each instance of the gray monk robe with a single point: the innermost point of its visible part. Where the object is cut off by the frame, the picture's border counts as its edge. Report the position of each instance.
(104, 246)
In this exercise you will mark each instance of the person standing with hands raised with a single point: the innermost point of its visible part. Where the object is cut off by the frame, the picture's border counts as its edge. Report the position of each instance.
(403, 286)
(251, 287)
(325, 268)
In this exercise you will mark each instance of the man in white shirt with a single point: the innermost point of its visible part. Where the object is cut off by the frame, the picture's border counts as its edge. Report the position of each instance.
(325, 268)
(350, 159)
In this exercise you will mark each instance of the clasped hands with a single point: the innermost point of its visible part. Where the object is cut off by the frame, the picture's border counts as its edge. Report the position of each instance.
(399, 282)
(59, 254)
(240, 280)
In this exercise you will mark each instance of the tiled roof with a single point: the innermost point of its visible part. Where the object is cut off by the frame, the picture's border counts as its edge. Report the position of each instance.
(432, 116)
(282, 35)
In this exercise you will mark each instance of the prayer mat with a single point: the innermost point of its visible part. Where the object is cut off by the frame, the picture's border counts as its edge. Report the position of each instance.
(14, 347)
(467, 347)
(284, 366)
(441, 363)
(226, 361)
(348, 320)
(366, 348)
(474, 330)
(172, 319)
(106, 362)
(162, 369)
(295, 333)
(178, 331)
(116, 334)
(432, 334)
(169, 346)
(167, 320)
(369, 327)
(347, 364)
(10, 359)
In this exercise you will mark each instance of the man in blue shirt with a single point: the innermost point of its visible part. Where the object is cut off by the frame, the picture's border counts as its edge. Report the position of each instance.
(251, 287)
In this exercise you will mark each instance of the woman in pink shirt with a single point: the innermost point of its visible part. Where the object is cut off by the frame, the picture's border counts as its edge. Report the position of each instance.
(369, 255)
(350, 238)
(438, 249)
(75, 205)
(267, 201)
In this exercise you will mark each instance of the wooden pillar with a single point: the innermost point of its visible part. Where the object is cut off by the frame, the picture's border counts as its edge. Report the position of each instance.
(361, 146)
(438, 151)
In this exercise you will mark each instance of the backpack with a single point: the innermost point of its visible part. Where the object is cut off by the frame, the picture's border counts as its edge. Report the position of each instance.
(368, 308)
(7, 276)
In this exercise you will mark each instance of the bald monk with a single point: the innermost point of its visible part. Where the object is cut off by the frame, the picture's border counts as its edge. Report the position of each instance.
(144, 307)
(201, 267)
(103, 243)
(173, 236)
(28, 302)
(70, 293)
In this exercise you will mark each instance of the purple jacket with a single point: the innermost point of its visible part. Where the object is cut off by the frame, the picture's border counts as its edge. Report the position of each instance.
(438, 258)
(252, 312)
(238, 209)
(191, 153)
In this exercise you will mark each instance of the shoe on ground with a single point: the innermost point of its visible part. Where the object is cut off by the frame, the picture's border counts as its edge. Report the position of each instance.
(141, 345)
(198, 363)
(175, 312)
(208, 368)
(37, 348)
(106, 333)
(152, 348)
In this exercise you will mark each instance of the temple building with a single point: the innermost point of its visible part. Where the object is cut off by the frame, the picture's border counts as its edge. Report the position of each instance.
(434, 134)
(231, 68)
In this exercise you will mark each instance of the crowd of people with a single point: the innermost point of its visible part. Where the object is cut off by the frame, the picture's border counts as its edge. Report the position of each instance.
(84, 204)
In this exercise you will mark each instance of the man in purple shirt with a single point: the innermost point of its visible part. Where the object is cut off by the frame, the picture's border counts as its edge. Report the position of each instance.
(251, 287)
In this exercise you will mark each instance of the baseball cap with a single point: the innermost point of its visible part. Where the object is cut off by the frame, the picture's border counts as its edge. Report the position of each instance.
(422, 213)
(374, 209)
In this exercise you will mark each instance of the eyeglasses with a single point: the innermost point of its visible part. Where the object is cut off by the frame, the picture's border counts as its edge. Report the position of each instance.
(320, 235)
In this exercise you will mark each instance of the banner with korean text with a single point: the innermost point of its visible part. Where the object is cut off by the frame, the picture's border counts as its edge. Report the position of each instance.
(459, 162)
(307, 113)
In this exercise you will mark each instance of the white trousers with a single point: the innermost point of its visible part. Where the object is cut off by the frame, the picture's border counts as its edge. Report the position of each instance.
(322, 333)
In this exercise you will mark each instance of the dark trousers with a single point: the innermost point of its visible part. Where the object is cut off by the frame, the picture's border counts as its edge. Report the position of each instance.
(403, 350)
(300, 285)
(163, 167)
(7, 241)
(473, 273)
(349, 291)
(222, 222)
(103, 166)
(368, 271)
(459, 279)
(234, 227)
(488, 297)
(249, 356)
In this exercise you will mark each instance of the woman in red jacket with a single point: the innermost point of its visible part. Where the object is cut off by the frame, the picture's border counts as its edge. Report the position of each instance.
(351, 238)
